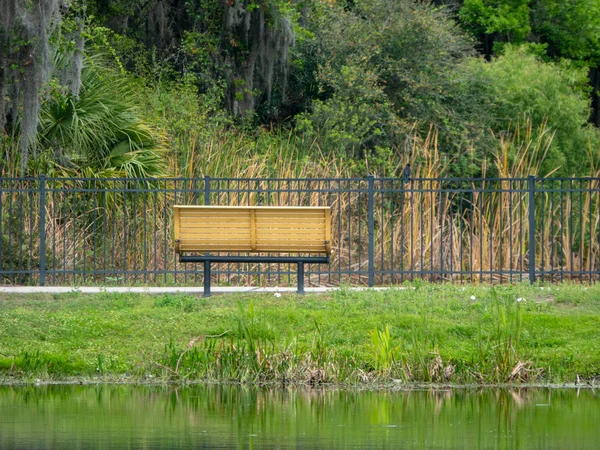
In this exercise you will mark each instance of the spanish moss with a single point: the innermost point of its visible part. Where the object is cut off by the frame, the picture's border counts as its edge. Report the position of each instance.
(25, 60)
(77, 62)
(267, 41)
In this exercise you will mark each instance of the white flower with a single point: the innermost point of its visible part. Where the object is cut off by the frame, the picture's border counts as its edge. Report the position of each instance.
(277, 294)
(473, 297)
(520, 299)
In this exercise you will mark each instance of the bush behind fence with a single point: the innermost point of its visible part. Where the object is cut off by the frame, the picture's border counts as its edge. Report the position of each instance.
(385, 230)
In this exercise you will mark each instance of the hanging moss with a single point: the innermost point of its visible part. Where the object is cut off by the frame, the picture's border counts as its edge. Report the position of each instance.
(258, 38)
(243, 43)
(25, 60)
(74, 80)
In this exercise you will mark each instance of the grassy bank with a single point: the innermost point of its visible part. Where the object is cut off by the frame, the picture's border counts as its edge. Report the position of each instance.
(421, 333)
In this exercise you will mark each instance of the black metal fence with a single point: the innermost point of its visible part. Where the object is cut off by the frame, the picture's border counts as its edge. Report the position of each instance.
(119, 231)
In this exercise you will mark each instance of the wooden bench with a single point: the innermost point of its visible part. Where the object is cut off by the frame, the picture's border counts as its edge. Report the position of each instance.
(303, 233)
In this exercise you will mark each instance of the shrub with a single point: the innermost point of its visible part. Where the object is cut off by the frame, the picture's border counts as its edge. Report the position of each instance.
(520, 87)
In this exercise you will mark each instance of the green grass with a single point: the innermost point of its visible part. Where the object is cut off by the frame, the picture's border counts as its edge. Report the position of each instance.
(422, 333)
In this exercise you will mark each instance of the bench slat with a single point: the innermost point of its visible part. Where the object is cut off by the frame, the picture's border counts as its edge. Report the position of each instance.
(220, 249)
(201, 223)
(200, 244)
(256, 208)
(246, 211)
(205, 236)
(292, 226)
(252, 229)
(290, 232)
(266, 249)
(291, 214)
(283, 221)
(199, 241)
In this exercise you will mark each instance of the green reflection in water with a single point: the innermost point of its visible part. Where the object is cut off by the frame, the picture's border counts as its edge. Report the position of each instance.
(145, 417)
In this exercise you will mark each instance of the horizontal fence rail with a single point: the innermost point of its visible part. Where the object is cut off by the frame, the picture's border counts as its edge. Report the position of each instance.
(384, 230)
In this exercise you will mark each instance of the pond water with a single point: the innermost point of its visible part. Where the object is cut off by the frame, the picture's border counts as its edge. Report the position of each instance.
(152, 417)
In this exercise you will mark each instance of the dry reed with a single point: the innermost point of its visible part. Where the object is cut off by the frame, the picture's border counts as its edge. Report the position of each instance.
(429, 227)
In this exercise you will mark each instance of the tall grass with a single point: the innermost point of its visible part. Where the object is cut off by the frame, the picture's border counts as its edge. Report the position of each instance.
(481, 227)
(427, 227)
(254, 353)
(385, 351)
(499, 348)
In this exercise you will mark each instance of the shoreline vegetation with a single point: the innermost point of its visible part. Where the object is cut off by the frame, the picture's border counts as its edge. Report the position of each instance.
(396, 386)
(432, 336)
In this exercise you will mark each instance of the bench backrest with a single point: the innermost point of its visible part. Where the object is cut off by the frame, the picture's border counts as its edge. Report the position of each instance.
(260, 229)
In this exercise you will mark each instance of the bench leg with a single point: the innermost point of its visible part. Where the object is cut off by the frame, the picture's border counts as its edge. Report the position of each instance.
(206, 279)
(300, 278)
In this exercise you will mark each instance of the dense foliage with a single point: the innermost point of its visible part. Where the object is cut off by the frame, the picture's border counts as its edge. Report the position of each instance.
(347, 87)
(561, 30)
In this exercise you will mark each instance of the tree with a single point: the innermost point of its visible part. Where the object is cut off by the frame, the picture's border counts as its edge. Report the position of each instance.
(571, 29)
(552, 96)
(25, 64)
(496, 20)
(381, 67)
(245, 42)
(566, 29)
(100, 131)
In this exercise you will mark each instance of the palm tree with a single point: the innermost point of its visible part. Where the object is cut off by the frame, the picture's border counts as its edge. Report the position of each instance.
(100, 132)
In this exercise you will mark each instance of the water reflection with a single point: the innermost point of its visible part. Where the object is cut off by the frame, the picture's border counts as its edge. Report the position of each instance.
(151, 417)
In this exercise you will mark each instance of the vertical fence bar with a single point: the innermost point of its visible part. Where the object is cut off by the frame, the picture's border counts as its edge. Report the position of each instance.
(20, 194)
(10, 252)
(207, 275)
(165, 215)
(1, 227)
(125, 230)
(590, 215)
(206, 190)
(531, 180)
(371, 230)
(95, 230)
(42, 230)
(581, 237)
(571, 229)
(552, 232)
(542, 230)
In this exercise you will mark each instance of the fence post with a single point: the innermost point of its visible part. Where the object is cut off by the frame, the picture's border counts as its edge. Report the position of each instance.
(371, 226)
(207, 275)
(531, 181)
(42, 230)
(206, 190)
